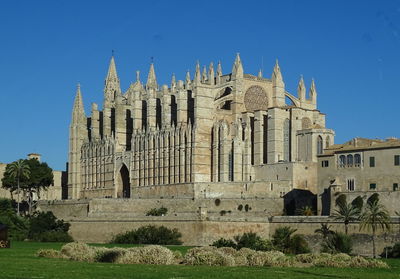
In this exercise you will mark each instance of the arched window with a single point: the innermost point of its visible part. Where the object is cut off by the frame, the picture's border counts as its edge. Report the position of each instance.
(158, 113)
(286, 140)
(174, 111)
(144, 115)
(349, 160)
(320, 147)
(327, 142)
(357, 160)
(342, 161)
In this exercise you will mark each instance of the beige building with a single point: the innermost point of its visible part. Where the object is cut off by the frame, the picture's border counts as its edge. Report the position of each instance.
(54, 192)
(360, 167)
(232, 135)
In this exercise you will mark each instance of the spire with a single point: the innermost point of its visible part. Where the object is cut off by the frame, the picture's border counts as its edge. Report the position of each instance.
(173, 81)
(260, 75)
(237, 69)
(188, 79)
(151, 78)
(138, 76)
(211, 75)
(301, 89)
(313, 92)
(197, 75)
(204, 75)
(219, 72)
(112, 84)
(277, 79)
(78, 111)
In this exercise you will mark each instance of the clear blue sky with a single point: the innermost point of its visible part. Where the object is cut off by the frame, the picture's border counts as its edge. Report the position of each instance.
(351, 48)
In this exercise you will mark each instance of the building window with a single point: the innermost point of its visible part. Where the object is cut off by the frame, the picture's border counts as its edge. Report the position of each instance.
(342, 161)
(372, 186)
(372, 162)
(397, 160)
(320, 147)
(350, 184)
(325, 163)
(395, 186)
(349, 160)
(357, 160)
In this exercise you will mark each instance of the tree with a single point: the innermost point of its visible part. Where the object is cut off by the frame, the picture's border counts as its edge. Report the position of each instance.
(346, 213)
(18, 171)
(306, 211)
(324, 230)
(40, 177)
(375, 216)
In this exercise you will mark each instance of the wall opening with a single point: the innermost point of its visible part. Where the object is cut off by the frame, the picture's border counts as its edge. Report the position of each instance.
(252, 138)
(144, 115)
(265, 139)
(174, 111)
(124, 186)
(190, 107)
(113, 121)
(158, 113)
(129, 129)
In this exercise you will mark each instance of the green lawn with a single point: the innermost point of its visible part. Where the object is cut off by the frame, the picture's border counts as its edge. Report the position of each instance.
(20, 262)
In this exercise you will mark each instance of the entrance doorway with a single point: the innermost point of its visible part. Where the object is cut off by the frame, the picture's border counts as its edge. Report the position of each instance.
(124, 186)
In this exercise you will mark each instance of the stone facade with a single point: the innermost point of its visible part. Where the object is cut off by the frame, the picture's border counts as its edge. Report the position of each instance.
(360, 167)
(217, 135)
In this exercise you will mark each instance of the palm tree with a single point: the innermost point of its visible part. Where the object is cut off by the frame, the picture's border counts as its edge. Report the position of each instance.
(375, 216)
(324, 230)
(19, 169)
(346, 213)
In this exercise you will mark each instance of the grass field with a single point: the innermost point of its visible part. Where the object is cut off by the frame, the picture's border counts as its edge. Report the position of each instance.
(20, 262)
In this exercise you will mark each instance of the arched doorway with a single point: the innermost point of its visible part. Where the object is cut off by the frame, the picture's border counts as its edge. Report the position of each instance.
(124, 186)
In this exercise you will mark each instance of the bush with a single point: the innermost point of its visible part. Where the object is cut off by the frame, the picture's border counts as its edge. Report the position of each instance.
(157, 211)
(222, 242)
(108, 255)
(358, 203)
(252, 241)
(150, 235)
(78, 252)
(53, 236)
(17, 226)
(49, 253)
(208, 256)
(298, 245)
(337, 243)
(392, 251)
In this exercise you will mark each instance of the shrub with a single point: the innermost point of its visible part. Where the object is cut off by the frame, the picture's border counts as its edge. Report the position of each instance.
(53, 236)
(281, 238)
(79, 252)
(208, 256)
(45, 222)
(337, 243)
(149, 235)
(358, 203)
(253, 241)
(298, 245)
(49, 253)
(108, 255)
(157, 211)
(153, 254)
(222, 242)
(306, 258)
(17, 226)
(373, 198)
(392, 251)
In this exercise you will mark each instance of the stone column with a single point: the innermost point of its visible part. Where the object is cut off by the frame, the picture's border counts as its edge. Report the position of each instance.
(258, 138)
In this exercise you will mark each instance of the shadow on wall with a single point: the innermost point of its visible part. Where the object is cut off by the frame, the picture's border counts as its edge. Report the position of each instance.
(297, 199)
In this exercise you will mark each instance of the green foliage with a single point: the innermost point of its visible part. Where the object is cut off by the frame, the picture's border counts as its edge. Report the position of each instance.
(43, 222)
(346, 213)
(149, 235)
(222, 242)
(337, 243)
(17, 226)
(341, 199)
(373, 198)
(358, 203)
(281, 238)
(162, 211)
(252, 241)
(392, 251)
(298, 245)
(324, 230)
(305, 211)
(53, 236)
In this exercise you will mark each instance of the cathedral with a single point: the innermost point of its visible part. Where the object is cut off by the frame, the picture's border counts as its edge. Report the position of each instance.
(216, 135)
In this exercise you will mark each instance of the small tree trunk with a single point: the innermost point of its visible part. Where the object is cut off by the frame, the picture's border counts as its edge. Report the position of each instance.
(18, 195)
(373, 244)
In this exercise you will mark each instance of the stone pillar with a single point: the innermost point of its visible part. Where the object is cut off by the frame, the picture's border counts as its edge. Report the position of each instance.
(225, 147)
(107, 122)
(172, 156)
(151, 110)
(120, 125)
(258, 138)
(176, 160)
(275, 135)
(215, 154)
(182, 109)
(95, 122)
(182, 154)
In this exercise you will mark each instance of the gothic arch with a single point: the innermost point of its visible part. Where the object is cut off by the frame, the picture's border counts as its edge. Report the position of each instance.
(123, 186)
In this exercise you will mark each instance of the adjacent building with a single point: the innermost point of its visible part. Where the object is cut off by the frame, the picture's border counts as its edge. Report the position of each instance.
(360, 167)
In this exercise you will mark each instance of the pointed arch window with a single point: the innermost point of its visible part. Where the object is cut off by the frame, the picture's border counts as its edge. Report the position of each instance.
(349, 160)
(320, 147)
(342, 161)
